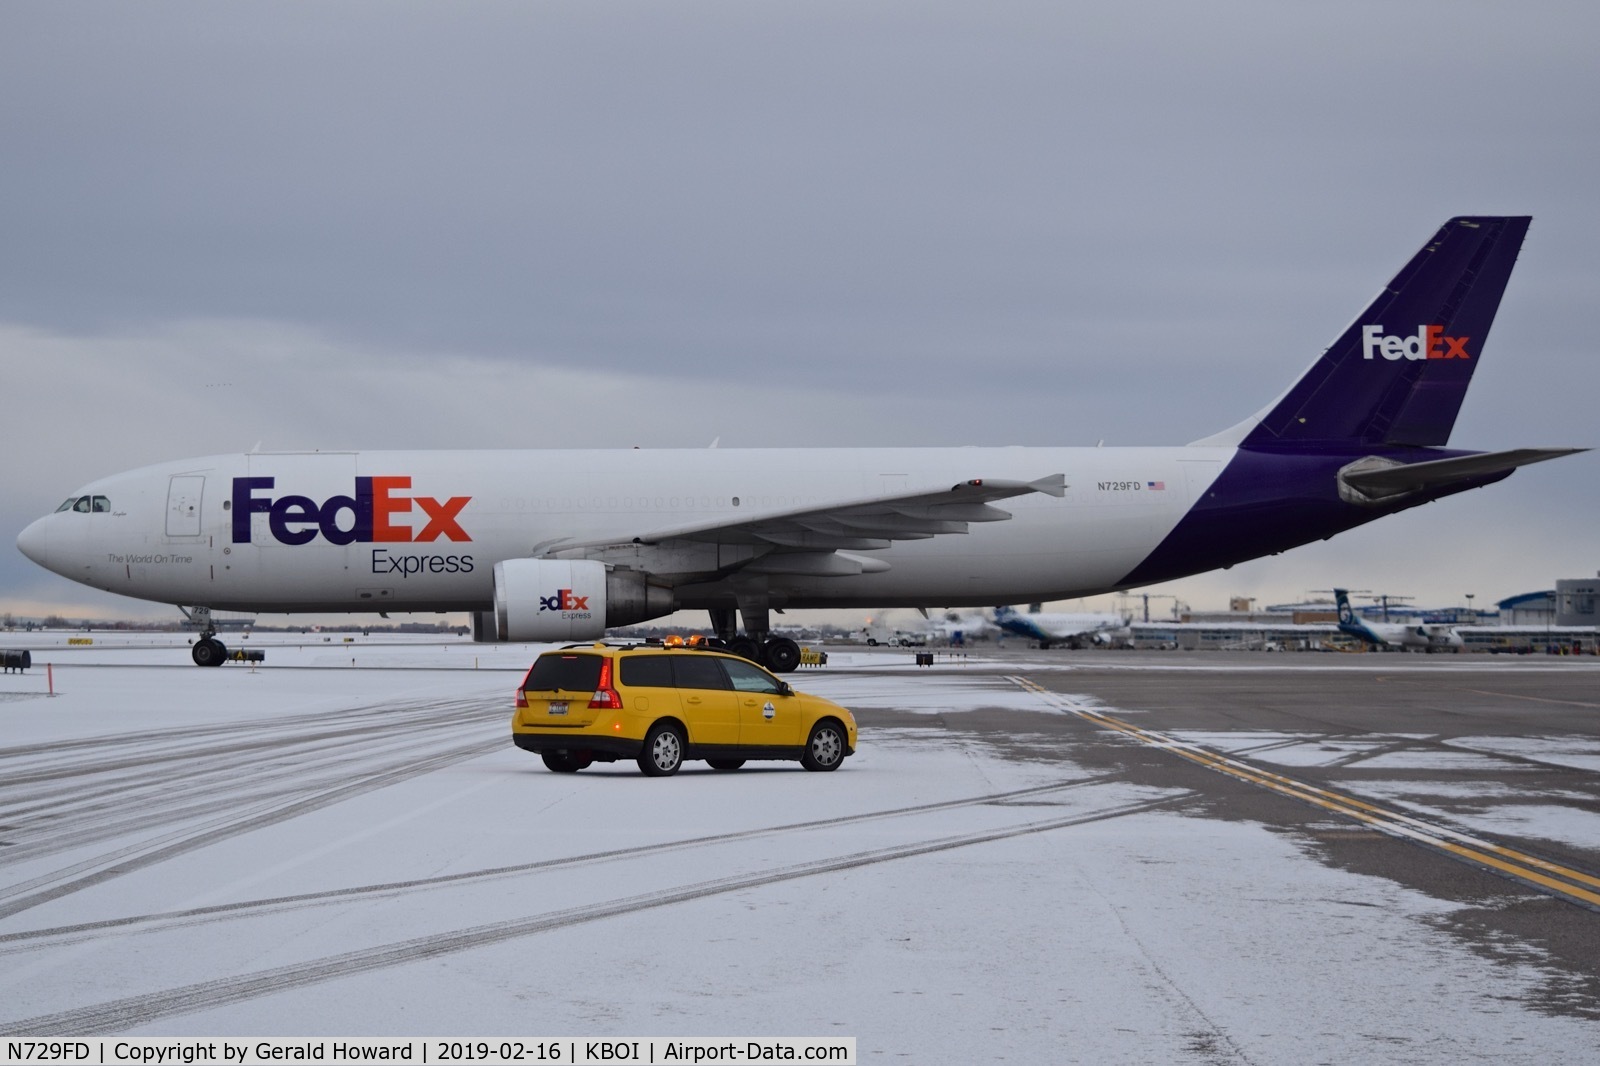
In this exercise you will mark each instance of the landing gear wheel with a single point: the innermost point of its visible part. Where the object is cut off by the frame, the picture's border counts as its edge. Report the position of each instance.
(208, 651)
(566, 762)
(825, 747)
(663, 751)
(725, 764)
(782, 655)
(745, 648)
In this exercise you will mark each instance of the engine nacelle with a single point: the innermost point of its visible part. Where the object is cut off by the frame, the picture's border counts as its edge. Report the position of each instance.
(570, 599)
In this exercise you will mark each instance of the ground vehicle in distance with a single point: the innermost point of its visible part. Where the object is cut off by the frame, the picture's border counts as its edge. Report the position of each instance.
(660, 706)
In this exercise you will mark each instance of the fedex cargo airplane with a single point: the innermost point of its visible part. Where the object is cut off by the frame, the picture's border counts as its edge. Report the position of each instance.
(561, 545)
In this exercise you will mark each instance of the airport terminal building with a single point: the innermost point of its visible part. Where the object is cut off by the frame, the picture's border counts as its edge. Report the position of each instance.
(1562, 620)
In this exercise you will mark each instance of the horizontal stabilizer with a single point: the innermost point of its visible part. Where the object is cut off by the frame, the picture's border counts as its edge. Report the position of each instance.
(1379, 479)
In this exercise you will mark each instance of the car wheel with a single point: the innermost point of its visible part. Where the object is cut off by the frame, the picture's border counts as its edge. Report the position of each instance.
(725, 764)
(208, 652)
(566, 762)
(825, 747)
(782, 655)
(663, 751)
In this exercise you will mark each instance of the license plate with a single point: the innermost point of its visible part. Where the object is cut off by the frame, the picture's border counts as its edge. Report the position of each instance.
(558, 707)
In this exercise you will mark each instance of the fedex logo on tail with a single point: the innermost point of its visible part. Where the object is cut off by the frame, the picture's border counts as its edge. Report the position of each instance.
(367, 517)
(1429, 342)
(563, 600)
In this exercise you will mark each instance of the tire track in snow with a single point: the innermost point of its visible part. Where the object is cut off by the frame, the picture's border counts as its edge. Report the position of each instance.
(11, 943)
(122, 1014)
(174, 810)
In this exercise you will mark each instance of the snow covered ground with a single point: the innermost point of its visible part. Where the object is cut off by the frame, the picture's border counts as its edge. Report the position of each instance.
(344, 842)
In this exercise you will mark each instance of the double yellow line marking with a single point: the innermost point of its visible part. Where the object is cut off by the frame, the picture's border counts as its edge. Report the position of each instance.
(1562, 881)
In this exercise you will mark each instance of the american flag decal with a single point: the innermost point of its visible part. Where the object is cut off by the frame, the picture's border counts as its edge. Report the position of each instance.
(1156, 485)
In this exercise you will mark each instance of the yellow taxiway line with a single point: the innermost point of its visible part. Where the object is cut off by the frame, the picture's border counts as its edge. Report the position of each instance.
(1563, 881)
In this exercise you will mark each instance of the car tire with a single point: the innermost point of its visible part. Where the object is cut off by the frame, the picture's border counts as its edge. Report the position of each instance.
(566, 762)
(663, 751)
(782, 655)
(208, 652)
(725, 764)
(824, 749)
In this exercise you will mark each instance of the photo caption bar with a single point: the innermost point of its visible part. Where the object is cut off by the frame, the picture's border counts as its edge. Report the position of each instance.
(478, 1051)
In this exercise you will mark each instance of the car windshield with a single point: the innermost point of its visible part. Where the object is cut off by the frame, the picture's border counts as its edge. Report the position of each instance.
(564, 672)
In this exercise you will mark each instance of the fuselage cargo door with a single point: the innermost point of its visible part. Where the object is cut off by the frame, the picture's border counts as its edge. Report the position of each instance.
(183, 505)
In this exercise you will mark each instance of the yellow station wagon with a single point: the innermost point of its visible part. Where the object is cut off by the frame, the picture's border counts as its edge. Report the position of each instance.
(660, 706)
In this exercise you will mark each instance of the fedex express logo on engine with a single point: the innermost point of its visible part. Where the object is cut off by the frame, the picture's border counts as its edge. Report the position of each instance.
(367, 517)
(1429, 342)
(563, 600)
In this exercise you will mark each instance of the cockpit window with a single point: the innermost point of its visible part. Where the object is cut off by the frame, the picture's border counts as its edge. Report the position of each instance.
(86, 505)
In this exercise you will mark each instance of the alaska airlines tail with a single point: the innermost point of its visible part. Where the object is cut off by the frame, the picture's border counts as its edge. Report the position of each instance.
(1397, 375)
(1347, 616)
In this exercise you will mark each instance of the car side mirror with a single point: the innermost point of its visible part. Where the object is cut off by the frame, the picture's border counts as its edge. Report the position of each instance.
(784, 689)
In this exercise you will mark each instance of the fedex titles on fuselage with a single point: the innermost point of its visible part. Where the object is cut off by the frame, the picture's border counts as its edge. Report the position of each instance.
(1429, 342)
(293, 520)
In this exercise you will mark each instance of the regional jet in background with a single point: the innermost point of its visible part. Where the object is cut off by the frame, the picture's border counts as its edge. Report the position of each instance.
(562, 545)
(1395, 635)
(1073, 630)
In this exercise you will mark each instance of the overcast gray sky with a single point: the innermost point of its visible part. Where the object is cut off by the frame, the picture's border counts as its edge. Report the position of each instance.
(380, 225)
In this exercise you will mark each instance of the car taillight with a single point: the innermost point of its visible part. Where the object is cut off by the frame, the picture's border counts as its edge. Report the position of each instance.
(606, 698)
(522, 700)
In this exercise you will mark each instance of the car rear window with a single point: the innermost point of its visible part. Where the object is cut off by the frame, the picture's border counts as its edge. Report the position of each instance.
(647, 671)
(570, 673)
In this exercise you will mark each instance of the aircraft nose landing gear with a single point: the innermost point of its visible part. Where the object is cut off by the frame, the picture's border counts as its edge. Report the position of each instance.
(207, 650)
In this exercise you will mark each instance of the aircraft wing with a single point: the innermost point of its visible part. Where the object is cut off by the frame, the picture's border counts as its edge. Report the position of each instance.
(1393, 479)
(806, 539)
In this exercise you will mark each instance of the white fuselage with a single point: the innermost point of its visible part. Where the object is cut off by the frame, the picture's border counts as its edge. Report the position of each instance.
(1407, 636)
(432, 524)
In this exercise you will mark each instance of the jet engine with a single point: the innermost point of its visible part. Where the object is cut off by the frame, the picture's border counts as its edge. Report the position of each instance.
(569, 599)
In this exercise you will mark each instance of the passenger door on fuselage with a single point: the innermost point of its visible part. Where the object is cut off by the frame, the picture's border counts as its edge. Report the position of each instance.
(710, 707)
(767, 718)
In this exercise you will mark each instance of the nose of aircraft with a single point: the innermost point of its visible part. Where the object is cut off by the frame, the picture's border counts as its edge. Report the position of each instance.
(34, 542)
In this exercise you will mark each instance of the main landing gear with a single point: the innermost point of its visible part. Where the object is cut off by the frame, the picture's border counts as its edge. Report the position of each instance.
(778, 654)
